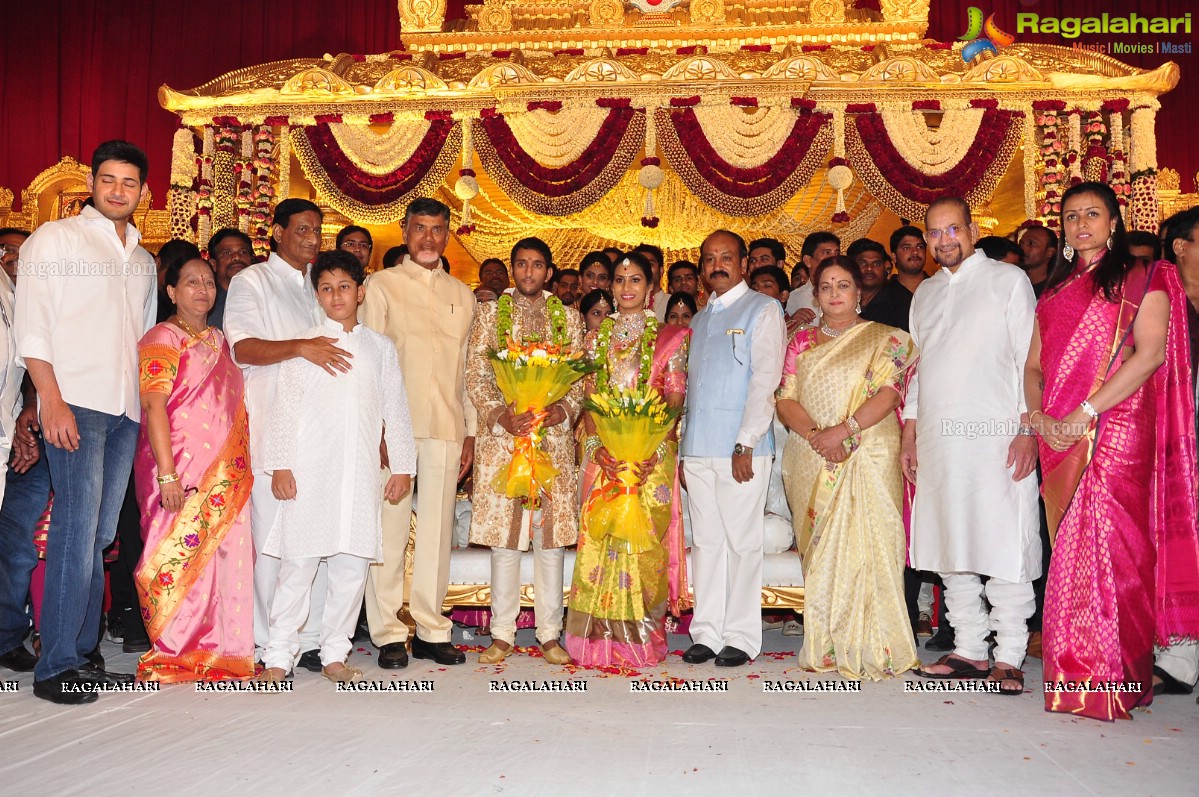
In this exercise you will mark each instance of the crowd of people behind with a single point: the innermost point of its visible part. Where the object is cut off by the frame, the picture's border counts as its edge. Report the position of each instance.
(280, 417)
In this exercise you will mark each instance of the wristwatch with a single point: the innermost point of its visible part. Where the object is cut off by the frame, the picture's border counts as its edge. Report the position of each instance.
(740, 450)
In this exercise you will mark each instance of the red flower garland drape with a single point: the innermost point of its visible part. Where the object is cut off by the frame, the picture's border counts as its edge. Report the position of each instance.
(561, 191)
(377, 198)
(738, 191)
(903, 188)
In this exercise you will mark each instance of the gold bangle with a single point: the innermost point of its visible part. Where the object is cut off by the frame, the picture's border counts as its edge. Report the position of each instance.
(170, 478)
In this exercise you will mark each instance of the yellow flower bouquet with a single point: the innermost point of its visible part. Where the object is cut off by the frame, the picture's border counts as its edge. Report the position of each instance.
(532, 375)
(631, 424)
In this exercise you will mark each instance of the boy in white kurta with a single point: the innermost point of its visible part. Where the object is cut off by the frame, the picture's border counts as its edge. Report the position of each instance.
(324, 452)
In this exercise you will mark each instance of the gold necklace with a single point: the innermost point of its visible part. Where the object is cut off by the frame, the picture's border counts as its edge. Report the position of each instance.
(188, 329)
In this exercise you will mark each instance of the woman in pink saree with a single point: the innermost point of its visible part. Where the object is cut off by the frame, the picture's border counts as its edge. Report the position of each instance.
(1107, 383)
(619, 600)
(192, 477)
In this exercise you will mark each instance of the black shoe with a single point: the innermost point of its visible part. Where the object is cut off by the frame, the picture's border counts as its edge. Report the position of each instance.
(136, 639)
(698, 654)
(66, 689)
(942, 641)
(95, 658)
(443, 653)
(731, 657)
(310, 660)
(393, 656)
(101, 677)
(18, 660)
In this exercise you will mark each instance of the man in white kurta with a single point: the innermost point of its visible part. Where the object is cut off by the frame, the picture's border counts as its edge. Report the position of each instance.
(325, 430)
(975, 510)
(267, 306)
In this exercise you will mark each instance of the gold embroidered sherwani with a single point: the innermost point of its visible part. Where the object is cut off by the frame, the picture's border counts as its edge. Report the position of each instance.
(496, 520)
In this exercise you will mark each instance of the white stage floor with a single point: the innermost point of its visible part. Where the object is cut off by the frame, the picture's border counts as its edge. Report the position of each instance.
(464, 739)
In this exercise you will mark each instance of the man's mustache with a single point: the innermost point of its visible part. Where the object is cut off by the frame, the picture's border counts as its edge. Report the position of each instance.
(717, 273)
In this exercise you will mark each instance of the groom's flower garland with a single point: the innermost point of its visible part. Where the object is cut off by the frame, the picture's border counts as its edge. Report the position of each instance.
(649, 337)
(559, 332)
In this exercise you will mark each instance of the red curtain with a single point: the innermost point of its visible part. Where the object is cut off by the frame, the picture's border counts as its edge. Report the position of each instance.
(77, 72)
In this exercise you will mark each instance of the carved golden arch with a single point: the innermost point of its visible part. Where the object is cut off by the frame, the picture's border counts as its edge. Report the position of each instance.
(700, 68)
(1003, 69)
(901, 69)
(801, 67)
(601, 70)
(316, 80)
(409, 80)
(503, 75)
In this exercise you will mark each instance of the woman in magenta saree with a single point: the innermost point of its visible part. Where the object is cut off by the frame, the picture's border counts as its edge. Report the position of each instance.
(1115, 419)
(619, 600)
(192, 478)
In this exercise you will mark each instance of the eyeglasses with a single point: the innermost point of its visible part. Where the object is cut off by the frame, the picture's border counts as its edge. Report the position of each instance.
(12, 249)
(355, 245)
(953, 231)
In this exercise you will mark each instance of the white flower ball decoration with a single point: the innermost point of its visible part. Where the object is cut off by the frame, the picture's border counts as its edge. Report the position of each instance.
(467, 188)
(651, 177)
(840, 177)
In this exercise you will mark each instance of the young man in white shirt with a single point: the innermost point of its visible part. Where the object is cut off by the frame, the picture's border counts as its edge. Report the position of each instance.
(85, 297)
(268, 305)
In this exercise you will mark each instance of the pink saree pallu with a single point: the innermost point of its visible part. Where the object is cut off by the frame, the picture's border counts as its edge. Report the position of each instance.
(1125, 566)
(195, 578)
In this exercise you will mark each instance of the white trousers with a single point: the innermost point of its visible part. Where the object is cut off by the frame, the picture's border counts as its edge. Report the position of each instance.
(289, 611)
(727, 526)
(263, 509)
(547, 591)
(1012, 603)
(1181, 660)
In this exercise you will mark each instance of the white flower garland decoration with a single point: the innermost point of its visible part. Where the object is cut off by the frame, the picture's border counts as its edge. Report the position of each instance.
(558, 139)
(745, 137)
(380, 153)
(931, 151)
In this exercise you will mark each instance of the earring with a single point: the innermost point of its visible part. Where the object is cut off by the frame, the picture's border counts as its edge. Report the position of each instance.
(858, 309)
(1068, 251)
(1109, 242)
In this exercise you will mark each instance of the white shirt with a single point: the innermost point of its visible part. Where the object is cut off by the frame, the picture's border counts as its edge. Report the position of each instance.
(84, 300)
(973, 329)
(660, 300)
(325, 430)
(267, 301)
(765, 365)
(11, 374)
(802, 297)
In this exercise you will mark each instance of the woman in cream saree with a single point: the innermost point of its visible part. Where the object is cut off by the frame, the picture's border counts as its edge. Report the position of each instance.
(841, 384)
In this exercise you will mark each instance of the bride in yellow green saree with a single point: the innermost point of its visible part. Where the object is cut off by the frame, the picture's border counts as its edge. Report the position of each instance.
(842, 382)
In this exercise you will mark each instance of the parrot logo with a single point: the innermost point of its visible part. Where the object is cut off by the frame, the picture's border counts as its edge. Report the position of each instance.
(982, 35)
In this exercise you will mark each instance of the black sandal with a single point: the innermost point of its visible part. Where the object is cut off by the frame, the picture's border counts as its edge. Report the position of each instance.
(1170, 685)
(961, 668)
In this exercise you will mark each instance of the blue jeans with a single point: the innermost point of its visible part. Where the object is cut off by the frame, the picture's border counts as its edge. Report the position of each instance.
(89, 486)
(25, 497)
